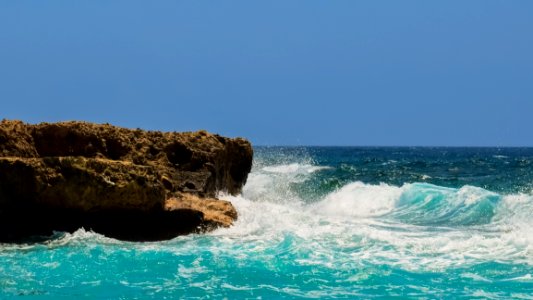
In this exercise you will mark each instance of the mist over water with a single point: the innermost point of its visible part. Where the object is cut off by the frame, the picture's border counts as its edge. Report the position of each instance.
(318, 223)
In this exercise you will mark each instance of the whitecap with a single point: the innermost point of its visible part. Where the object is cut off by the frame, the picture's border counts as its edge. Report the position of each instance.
(294, 168)
(360, 200)
(368, 223)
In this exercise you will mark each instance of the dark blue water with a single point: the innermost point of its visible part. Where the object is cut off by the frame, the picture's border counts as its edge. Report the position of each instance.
(319, 222)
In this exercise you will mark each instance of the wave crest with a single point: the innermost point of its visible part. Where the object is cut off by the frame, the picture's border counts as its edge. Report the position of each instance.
(360, 200)
(427, 204)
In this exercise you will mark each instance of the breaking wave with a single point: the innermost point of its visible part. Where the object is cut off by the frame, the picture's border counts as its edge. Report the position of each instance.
(414, 226)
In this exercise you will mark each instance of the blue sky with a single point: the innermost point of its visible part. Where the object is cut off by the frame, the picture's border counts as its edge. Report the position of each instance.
(454, 73)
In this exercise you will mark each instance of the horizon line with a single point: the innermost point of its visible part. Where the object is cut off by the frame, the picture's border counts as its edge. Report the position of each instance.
(387, 146)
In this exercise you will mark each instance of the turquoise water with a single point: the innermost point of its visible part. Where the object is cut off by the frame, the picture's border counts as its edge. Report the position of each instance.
(321, 223)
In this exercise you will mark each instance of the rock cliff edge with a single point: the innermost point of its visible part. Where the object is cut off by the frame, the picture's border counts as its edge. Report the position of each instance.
(127, 184)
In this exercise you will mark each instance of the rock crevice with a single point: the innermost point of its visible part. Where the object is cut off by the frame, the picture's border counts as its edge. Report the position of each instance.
(128, 184)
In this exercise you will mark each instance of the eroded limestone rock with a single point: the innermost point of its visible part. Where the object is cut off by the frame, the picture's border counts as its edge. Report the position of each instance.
(129, 184)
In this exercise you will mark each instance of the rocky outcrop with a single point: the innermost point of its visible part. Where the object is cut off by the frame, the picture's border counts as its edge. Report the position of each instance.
(127, 184)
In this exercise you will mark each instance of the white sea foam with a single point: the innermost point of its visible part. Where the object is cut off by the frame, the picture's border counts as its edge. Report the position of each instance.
(360, 200)
(273, 183)
(470, 195)
(359, 220)
(80, 237)
(294, 168)
(525, 278)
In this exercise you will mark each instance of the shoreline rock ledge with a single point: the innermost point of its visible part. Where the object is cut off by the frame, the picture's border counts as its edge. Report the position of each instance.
(127, 184)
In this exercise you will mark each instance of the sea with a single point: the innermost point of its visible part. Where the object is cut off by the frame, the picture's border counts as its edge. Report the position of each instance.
(320, 223)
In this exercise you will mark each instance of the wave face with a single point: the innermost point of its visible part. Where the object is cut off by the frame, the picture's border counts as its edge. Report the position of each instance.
(321, 223)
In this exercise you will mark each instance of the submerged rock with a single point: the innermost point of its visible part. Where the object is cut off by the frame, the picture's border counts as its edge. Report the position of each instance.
(127, 184)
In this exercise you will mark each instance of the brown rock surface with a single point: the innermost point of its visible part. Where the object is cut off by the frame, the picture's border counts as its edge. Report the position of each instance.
(128, 184)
